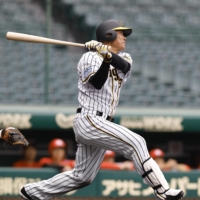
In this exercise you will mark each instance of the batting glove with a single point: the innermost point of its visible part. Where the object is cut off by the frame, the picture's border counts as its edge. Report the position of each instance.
(103, 51)
(92, 45)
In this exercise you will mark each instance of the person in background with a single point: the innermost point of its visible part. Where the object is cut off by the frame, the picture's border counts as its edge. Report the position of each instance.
(110, 164)
(195, 159)
(29, 158)
(57, 156)
(170, 164)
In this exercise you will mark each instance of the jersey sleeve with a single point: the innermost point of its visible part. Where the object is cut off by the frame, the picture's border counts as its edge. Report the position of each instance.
(128, 58)
(88, 66)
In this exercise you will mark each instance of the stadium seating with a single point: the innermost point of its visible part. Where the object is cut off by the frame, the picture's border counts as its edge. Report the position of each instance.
(23, 64)
(164, 46)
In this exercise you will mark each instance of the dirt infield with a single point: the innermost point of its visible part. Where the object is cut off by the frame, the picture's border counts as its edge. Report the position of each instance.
(95, 198)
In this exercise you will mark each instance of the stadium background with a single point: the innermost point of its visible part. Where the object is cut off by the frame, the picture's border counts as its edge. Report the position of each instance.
(38, 83)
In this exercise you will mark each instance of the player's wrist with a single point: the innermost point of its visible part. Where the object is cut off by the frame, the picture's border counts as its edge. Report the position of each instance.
(109, 60)
(108, 57)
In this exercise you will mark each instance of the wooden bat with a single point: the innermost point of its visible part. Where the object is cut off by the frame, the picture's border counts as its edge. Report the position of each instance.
(37, 39)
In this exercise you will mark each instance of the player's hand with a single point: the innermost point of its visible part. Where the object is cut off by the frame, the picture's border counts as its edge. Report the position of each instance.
(92, 45)
(13, 136)
(171, 164)
(103, 50)
(183, 167)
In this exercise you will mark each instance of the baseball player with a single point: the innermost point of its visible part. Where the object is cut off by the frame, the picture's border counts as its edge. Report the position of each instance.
(102, 73)
(171, 164)
(57, 156)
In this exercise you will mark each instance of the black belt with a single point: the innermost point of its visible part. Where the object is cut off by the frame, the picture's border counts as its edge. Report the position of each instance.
(98, 113)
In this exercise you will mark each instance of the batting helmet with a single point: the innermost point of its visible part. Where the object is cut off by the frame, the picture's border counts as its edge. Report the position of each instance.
(154, 153)
(109, 154)
(56, 143)
(106, 31)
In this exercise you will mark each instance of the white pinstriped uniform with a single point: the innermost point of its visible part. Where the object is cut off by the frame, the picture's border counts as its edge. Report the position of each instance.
(94, 134)
(106, 99)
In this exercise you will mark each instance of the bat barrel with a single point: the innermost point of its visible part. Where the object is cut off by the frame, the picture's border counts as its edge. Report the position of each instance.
(37, 39)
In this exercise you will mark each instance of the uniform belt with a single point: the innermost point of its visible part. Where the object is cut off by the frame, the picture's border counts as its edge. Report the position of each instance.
(98, 113)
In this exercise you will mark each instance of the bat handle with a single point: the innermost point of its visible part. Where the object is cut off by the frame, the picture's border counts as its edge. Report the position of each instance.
(109, 48)
(109, 55)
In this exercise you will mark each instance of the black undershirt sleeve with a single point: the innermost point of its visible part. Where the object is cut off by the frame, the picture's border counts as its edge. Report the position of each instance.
(120, 63)
(100, 77)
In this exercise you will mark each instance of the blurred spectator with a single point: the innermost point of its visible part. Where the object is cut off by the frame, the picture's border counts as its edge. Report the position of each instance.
(110, 164)
(57, 151)
(29, 156)
(195, 159)
(170, 164)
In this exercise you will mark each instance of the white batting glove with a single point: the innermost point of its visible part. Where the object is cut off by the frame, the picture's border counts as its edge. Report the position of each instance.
(92, 45)
(103, 51)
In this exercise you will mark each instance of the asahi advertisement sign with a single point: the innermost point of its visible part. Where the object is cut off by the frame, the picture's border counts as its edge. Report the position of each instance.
(17, 120)
(153, 123)
(106, 184)
(64, 121)
(61, 120)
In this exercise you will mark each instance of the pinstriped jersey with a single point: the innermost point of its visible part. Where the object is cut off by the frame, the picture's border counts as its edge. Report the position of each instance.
(106, 99)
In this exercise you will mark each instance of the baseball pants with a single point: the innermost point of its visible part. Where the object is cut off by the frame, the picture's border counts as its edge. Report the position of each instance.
(94, 135)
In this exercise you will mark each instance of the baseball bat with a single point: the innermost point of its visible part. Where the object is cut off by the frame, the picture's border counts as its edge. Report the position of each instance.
(37, 39)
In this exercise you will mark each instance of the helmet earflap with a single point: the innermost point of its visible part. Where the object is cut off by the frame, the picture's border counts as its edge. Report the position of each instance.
(110, 35)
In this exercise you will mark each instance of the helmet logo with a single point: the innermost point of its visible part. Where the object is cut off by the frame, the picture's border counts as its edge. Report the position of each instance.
(121, 24)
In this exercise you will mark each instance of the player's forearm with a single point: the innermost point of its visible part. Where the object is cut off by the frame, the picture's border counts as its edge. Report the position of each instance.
(120, 63)
(0, 132)
(100, 77)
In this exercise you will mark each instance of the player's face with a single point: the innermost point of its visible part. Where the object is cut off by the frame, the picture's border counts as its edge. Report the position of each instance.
(120, 42)
(58, 154)
(30, 153)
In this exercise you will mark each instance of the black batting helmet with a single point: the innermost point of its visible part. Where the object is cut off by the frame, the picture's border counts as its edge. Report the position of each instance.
(106, 31)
